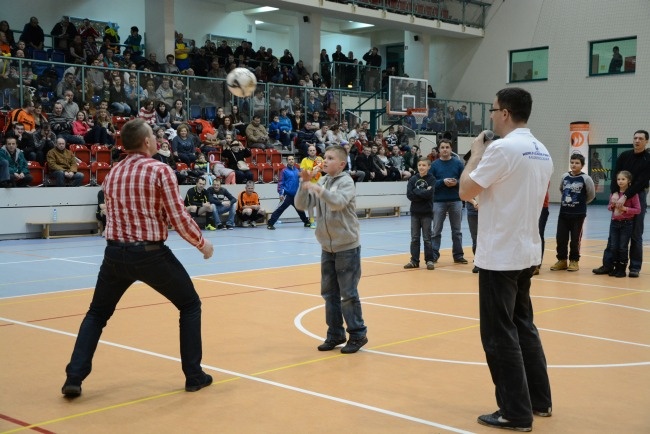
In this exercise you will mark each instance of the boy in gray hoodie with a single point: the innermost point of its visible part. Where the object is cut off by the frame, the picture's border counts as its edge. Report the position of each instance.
(337, 232)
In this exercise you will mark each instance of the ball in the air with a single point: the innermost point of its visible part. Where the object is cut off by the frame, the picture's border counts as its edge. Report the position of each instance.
(241, 82)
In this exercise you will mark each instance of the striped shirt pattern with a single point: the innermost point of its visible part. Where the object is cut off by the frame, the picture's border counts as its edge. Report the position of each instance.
(142, 199)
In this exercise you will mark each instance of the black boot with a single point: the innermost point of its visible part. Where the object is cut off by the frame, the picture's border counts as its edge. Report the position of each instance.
(619, 269)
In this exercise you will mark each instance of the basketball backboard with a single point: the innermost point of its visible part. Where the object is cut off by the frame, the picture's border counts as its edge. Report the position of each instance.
(406, 94)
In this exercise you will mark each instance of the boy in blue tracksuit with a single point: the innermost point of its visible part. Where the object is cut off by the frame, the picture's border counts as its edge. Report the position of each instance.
(577, 191)
(419, 191)
(287, 188)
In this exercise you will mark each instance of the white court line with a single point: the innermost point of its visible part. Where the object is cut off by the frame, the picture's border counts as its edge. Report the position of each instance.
(259, 380)
(76, 262)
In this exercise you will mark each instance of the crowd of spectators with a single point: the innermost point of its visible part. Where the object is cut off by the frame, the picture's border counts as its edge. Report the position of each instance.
(121, 82)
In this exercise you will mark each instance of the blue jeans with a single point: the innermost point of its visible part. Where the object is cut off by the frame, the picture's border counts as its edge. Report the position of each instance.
(340, 274)
(620, 233)
(59, 178)
(421, 223)
(636, 242)
(455, 211)
(286, 203)
(220, 209)
(511, 342)
(159, 269)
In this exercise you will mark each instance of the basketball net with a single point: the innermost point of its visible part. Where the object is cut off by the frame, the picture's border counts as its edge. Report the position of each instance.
(418, 113)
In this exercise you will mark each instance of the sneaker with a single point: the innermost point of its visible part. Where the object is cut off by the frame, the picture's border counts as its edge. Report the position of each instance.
(270, 227)
(230, 227)
(430, 265)
(633, 273)
(330, 344)
(220, 227)
(312, 225)
(71, 389)
(559, 265)
(246, 224)
(619, 272)
(354, 345)
(308, 225)
(210, 228)
(253, 224)
(601, 270)
(495, 420)
(475, 270)
(412, 264)
(194, 386)
(573, 266)
(460, 260)
(545, 412)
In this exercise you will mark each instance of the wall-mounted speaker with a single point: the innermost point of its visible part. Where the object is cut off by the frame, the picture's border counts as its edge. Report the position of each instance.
(305, 18)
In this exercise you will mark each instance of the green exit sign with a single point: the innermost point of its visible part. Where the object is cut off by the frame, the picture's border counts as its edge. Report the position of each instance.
(612, 140)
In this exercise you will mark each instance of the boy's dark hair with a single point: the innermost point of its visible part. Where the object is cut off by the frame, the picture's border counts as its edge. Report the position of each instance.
(250, 183)
(579, 157)
(517, 101)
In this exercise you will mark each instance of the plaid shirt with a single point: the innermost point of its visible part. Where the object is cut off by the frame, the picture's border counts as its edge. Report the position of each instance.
(142, 199)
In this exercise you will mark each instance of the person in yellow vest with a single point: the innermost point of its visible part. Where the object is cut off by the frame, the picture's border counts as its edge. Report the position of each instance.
(181, 52)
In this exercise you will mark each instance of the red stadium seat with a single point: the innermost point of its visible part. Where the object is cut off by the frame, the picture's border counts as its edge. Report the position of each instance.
(81, 152)
(99, 171)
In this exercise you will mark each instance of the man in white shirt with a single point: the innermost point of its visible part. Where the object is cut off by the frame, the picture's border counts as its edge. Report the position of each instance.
(510, 176)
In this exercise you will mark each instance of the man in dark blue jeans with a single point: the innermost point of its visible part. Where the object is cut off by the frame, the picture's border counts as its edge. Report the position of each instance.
(637, 162)
(510, 176)
(136, 251)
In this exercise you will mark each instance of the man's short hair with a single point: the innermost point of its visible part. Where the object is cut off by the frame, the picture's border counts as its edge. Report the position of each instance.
(517, 101)
(444, 141)
(133, 133)
(644, 132)
(579, 157)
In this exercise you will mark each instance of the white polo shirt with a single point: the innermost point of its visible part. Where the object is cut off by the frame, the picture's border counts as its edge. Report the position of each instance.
(514, 172)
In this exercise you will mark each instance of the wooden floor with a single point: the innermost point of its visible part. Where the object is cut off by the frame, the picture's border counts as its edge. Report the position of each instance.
(423, 370)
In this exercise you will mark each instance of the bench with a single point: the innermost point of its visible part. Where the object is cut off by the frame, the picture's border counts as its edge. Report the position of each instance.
(46, 228)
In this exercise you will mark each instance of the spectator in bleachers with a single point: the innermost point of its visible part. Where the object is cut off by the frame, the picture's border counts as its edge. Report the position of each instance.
(364, 163)
(397, 161)
(165, 155)
(62, 34)
(23, 116)
(219, 117)
(256, 134)
(373, 60)
(67, 84)
(299, 70)
(150, 63)
(411, 159)
(238, 120)
(169, 67)
(384, 171)
(339, 67)
(110, 60)
(81, 128)
(450, 118)
(77, 52)
(148, 113)
(287, 59)
(134, 93)
(178, 114)
(86, 30)
(313, 104)
(103, 128)
(134, 42)
(321, 139)
(90, 47)
(163, 118)
(149, 91)
(223, 51)
(226, 129)
(335, 137)
(462, 119)
(118, 98)
(62, 126)
(236, 154)
(5, 47)
(316, 121)
(20, 45)
(181, 52)
(24, 140)
(325, 69)
(165, 92)
(183, 145)
(4, 27)
(62, 165)
(307, 82)
(351, 71)
(95, 77)
(44, 140)
(19, 175)
(33, 35)
(216, 88)
(110, 35)
(224, 202)
(351, 165)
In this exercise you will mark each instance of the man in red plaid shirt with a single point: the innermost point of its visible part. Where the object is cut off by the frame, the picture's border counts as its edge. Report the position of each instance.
(142, 200)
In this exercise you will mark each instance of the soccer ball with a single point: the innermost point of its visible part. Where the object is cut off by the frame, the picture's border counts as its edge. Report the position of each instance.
(241, 82)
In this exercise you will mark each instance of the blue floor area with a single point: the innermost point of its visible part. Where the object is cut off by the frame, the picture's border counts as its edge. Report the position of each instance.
(37, 266)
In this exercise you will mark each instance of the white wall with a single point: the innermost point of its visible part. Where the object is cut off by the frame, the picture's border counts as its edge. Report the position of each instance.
(615, 106)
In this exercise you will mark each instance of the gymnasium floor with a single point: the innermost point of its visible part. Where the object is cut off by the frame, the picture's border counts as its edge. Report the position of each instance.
(423, 370)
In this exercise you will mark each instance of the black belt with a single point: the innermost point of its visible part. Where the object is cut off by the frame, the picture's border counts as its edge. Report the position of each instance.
(147, 246)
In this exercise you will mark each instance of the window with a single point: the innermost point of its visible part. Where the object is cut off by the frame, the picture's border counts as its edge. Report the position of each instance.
(529, 65)
(613, 56)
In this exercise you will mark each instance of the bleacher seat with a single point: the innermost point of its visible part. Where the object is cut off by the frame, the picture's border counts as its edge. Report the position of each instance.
(81, 152)
(37, 171)
(99, 170)
(101, 153)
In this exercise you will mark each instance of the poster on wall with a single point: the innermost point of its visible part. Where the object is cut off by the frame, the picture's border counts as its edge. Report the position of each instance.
(579, 141)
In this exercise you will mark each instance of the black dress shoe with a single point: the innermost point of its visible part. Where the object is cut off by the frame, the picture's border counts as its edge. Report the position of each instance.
(71, 389)
(354, 345)
(601, 270)
(633, 273)
(495, 420)
(330, 344)
(194, 386)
